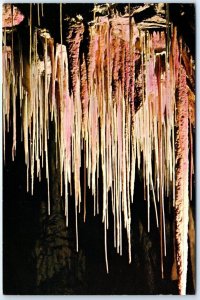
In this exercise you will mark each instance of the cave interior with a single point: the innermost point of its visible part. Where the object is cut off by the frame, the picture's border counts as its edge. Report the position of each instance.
(39, 251)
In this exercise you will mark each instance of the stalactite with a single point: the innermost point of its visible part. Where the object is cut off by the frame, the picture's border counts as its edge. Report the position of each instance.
(38, 14)
(13, 93)
(182, 170)
(191, 103)
(6, 97)
(74, 37)
(84, 95)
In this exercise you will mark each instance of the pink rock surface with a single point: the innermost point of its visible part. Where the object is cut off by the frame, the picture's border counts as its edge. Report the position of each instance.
(182, 168)
(11, 15)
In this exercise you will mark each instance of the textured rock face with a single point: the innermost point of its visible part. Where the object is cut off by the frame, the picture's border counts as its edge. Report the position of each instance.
(11, 15)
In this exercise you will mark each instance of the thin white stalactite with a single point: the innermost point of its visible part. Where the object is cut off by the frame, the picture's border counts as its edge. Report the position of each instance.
(38, 14)
(14, 86)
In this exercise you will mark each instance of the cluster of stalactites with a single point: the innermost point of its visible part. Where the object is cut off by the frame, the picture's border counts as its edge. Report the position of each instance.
(98, 115)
